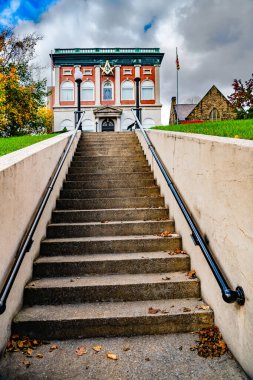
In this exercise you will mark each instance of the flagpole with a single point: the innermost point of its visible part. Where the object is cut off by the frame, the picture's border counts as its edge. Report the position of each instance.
(177, 83)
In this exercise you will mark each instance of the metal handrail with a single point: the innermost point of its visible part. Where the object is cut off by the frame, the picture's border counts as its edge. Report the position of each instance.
(228, 294)
(27, 241)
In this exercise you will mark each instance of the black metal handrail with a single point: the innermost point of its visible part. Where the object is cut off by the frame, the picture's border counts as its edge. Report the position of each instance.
(27, 240)
(228, 294)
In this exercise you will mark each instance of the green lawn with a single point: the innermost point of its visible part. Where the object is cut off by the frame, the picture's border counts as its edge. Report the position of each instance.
(10, 144)
(242, 129)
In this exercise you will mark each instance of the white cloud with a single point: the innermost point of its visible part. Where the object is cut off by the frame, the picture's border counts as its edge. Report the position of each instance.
(214, 39)
(6, 16)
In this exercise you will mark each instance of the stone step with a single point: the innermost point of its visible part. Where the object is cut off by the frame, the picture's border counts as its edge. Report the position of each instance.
(109, 203)
(100, 169)
(114, 148)
(122, 228)
(112, 176)
(109, 144)
(115, 287)
(112, 319)
(109, 161)
(98, 153)
(122, 263)
(81, 216)
(109, 193)
(109, 244)
(128, 165)
(108, 184)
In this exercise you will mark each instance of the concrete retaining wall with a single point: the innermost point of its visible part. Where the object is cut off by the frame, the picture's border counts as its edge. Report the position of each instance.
(24, 175)
(215, 178)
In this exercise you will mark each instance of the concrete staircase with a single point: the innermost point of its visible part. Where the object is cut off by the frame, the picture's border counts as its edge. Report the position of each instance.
(104, 264)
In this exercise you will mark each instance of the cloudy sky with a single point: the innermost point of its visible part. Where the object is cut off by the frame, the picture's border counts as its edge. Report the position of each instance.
(214, 37)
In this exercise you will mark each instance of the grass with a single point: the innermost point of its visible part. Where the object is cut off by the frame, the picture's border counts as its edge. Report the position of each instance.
(10, 144)
(242, 129)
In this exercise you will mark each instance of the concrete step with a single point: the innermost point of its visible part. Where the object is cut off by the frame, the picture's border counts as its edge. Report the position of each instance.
(112, 319)
(98, 153)
(109, 144)
(100, 169)
(81, 216)
(122, 228)
(108, 184)
(130, 165)
(115, 287)
(109, 193)
(121, 161)
(112, 176)
(122, 263)
(109, 203)
(109, 244)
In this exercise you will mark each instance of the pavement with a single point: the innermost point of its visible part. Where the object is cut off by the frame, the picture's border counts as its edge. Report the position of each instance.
(161, 357)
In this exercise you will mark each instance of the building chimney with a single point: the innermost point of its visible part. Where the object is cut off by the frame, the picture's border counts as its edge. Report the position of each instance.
(173, 101)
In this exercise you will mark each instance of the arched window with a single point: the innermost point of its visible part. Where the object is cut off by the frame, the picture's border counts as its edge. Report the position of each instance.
(108, 90)
(87, 93)
(67, 124)
(148, 123)
(126, 124)
(67, 91)
(214, 114)
(127, 90)
(147, 90)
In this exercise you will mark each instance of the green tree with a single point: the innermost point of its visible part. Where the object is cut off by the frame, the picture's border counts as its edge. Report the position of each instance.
(21, 95)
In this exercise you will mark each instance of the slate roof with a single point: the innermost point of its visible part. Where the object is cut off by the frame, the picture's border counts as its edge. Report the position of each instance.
(183, 110)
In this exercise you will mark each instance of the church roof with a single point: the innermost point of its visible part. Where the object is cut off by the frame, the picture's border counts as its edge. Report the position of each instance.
(183, 110)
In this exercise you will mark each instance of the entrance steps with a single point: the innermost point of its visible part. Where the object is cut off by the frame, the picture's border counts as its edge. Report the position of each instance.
(104, 269)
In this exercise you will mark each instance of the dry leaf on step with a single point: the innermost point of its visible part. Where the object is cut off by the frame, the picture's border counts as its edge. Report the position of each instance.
(186, 309)
(26, 362)
(166, 278)
(53, 347)
(166, 234)
(97, 348)
(151, 310)
(39, 355)
(80, 351)
(191, 274)
(111, 355)
(204, 307)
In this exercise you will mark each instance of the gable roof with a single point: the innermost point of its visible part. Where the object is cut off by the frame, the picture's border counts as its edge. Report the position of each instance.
(108, 110)
(183, 110)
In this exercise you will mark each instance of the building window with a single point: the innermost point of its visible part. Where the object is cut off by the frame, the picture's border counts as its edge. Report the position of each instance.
(87, 93)
(127, 71)
(107, 90)
(147, 90)
(214, 115)
(148, 123)
(147, 71)
(67, 124)
(67, 72)
(87, 71)
(67, 91)
(127, 90)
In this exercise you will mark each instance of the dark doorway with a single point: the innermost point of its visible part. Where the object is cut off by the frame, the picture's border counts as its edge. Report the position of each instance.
(108, 125)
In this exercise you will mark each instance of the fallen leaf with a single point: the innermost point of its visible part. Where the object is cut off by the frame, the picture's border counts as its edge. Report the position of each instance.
(204, 307)
(97, 348)
(210, 343)
(164, 311)
(166, 234)
(180, 348)
(111, 355)
(39, 355)
(26, 362)
(104, 221)
(151, 310)
(80, 351)
(186, 309)
(53, 347)
(20, 344)
(191, 274)
(29, 352)
(126, 348)
(147, 359)
(166, 278)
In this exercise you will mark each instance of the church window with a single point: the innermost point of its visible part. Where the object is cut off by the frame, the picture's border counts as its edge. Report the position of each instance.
(147, 90)
(87, 93)
(107, 90)
(214, 115)
(67, 91)
(127, 90)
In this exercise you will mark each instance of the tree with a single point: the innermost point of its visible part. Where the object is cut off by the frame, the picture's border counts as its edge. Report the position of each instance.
(242, 97)
(21, 95)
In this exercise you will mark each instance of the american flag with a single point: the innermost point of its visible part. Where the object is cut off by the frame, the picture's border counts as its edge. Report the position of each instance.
(177, 62)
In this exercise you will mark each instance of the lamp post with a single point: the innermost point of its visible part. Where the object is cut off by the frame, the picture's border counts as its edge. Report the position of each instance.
(78, 79)
(137, 91)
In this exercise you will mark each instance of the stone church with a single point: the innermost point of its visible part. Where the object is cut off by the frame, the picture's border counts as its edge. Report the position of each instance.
(108, 87)
(212, 107)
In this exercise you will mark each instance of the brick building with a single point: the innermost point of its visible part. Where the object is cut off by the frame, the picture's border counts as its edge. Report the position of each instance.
(108, 87)
(213, 106)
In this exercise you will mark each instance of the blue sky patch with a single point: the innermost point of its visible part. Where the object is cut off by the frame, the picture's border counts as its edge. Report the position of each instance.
(149, 25)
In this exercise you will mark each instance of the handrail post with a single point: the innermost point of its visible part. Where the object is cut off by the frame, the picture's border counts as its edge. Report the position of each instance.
(228, 294)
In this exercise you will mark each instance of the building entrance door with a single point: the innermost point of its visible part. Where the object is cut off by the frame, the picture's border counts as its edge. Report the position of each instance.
(108, 125)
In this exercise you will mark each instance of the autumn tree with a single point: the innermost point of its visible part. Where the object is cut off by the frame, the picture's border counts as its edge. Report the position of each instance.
(242, 97)
(21, 95)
